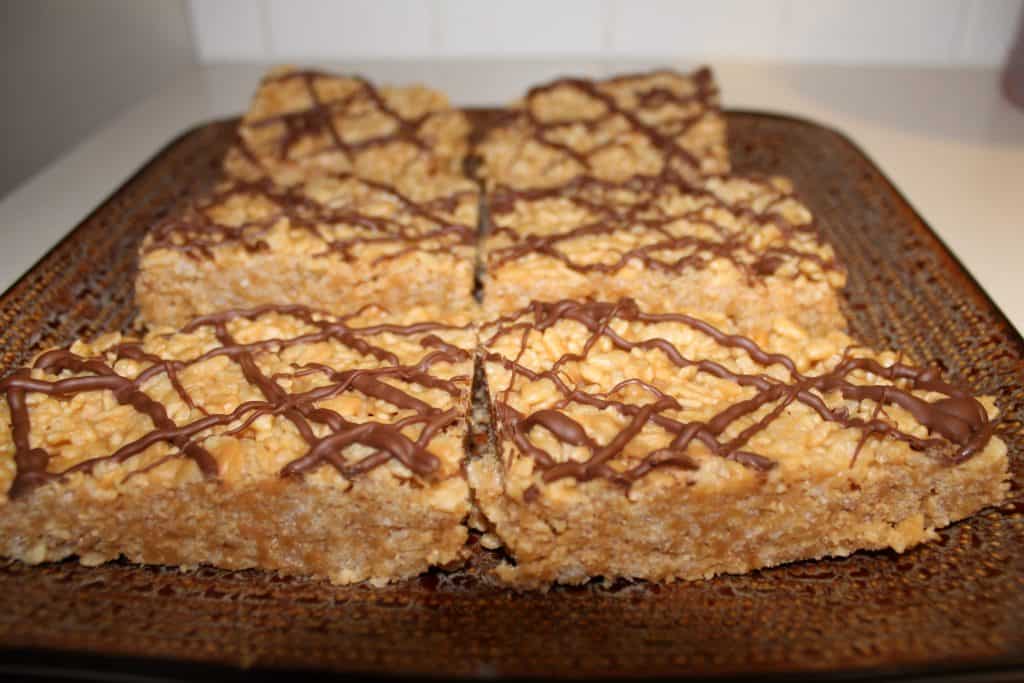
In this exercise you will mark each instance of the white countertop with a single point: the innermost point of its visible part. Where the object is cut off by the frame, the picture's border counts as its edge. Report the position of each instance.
(945, 137)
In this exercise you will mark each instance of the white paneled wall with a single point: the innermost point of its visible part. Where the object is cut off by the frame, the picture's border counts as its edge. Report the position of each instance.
(930, 32)
(521, 27)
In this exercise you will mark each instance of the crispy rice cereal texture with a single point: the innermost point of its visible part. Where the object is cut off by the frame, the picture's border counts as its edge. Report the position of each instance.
(275, 438)
(657, 446)
(743, 247)
(657, 123)
(304, 123)
(331, 243)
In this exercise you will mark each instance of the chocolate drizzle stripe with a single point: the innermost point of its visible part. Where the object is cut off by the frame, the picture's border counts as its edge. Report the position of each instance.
(387, 440)
(318, 121)
(678, 161)
(608, 216)
(420, 224)
(959, 421)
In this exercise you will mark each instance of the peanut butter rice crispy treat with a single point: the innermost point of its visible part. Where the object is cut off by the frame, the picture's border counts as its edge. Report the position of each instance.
(741, 246)
(334, 243)
(659, 446)
(304, 123)
(276, 437)
(657, 123)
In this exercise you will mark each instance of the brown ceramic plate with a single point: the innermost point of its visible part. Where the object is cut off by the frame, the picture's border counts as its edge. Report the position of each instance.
(953, 608)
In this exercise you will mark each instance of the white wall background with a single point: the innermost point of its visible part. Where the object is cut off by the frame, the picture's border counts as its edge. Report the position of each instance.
(70, 66)
(920, 32)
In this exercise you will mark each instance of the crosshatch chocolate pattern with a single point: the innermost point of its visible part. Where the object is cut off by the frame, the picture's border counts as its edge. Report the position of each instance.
(954, 603)
(954, 417)
(298, 409)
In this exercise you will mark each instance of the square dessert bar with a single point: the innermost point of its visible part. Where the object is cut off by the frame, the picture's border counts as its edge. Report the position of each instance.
(332, 242)
(657, 123)
(741, 246)
(276, 437)
(659, 446)
(303, 123)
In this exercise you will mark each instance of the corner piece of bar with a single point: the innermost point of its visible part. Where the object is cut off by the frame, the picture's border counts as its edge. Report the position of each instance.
(279, 438)
(656, 123)
(661, 446)
(742, 246)
(303, 123)
(333, 243)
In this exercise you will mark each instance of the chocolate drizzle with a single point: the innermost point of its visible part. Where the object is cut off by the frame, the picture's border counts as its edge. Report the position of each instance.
(319, 121)
(639, 205)
(641, 118)
(301, 409)
(420, 226)
(609, 213)
(958, 424)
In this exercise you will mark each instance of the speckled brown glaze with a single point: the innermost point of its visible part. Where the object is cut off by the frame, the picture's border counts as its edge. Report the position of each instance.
(956, 603)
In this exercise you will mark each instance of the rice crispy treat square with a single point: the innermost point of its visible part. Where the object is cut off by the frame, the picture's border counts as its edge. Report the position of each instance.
(659, 446)
(657, 123)
(745, 247)
(331, 242)
(277, 437)
(303, 123)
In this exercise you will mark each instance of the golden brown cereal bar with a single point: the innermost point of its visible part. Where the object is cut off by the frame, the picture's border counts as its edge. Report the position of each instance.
(276, 437)
(743, 247)
(658, 123)
(303, 123)
(334, 243)
(659, 446)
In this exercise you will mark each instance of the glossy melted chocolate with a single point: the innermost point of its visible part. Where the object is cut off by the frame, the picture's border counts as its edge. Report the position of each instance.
(98, 374)
(958, 424)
